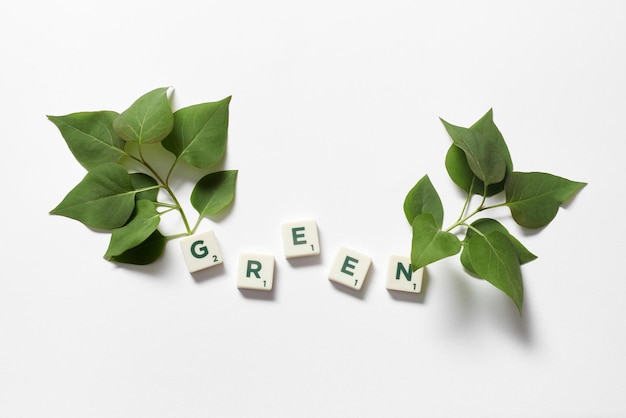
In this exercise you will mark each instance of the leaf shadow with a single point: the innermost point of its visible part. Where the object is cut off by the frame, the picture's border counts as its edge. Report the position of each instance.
(187, 173)
(159, 158)
(531, 232)
(499, 310)
(153, 270)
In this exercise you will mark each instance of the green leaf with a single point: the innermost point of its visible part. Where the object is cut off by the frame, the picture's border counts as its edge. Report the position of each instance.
(489, 130)
(147, 186)
(430, 243)
(200, 133)
(534, 198)
(486, 226)
(214, 192)
(463, 176)
(143, 223)
(460, 171)
(90, 137)
(423, 198)
(148, 120)
(104, 199)
(484, 152)
(145, 253)
(495, 259)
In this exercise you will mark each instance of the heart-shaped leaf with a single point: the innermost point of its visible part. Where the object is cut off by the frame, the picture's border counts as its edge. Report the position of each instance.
(90, 137)
(430, 243)
(485, 151)
(214, 192)
(143, 223)
(534, 198)
(423, 198)
(104, 199)
(146, 186)
(148, 120)
(145, 253)
(200, 133)
(463, 176)
(495, 259)
(486, 126)
(486, 226)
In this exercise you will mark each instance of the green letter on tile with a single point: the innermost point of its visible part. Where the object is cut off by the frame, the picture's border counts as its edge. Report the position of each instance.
(346, 265)
(203, 250)
(254, 267)
(408, 274)
(296, 235)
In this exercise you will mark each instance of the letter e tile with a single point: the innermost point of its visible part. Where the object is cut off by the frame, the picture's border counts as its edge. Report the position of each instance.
(350, 268)
(300, 239)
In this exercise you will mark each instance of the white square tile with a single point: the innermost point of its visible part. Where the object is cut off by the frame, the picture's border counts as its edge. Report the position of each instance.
(350, 268)
(401, 277)
(300, 239)
(201, 251)
(256, 271)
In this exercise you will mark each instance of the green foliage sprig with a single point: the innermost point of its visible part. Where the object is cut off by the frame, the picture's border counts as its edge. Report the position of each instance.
(479, 162)
(121, 191)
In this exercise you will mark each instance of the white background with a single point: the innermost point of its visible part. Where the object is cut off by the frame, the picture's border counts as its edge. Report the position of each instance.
(334, 117)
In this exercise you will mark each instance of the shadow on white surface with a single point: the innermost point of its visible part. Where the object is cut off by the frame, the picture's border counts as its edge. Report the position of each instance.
(359, 294)
(473, 307)
(412, 297)
(209, 273)
(263, 294)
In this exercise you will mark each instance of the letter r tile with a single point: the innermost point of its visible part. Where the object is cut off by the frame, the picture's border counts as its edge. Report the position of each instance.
(201, 251)
(256, 271)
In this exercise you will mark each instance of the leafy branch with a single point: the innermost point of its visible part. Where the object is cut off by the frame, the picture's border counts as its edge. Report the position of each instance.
(121, 190)
(479, 162)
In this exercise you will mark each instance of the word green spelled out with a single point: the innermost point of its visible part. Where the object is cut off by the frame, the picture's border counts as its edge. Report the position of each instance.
(131, 157)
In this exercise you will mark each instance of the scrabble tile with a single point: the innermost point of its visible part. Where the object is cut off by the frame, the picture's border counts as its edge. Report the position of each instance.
(350, 268)
(256, 271)
(401, 277)
(300, 239)
(201, 251)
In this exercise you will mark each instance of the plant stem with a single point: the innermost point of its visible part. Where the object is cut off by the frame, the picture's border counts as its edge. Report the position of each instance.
(476, 230)
(195, 227)
(166, 186)
(169, 173)
(145, 189)
(462, 221)
(166, 211)
(169, 237)
(466, 204)
(499, 205)
(166, 205)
